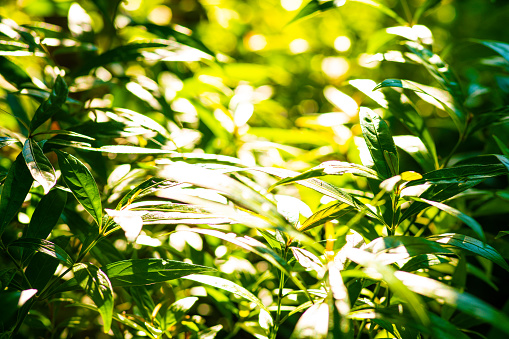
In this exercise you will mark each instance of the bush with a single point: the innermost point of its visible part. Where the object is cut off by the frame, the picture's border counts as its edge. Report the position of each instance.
(206, 169)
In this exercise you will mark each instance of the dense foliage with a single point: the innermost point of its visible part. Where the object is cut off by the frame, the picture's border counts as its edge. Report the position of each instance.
(262, 168)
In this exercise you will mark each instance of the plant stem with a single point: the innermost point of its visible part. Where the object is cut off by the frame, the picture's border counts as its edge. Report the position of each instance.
(454, 149)
(430, 221)
(279, 300)
(407, 12)
(18, 266)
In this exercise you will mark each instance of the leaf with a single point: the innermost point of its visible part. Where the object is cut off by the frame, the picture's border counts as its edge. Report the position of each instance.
(41, 268)
(457, 115)
(98, 287)
(46, 214)
(178, 310)
(52, 105)
(15, 189)
(488, 119)
(136, 272)
(326, 214)
(463, 301)
(11, 301)
(6, 141)
(43, 246)
(384, 9)
(115, 149)
(424, 261)
(502, 146)
(429, 4)
(379, 140)
(228, 286)
(82, 184)
(313, 324)
(472, 245)
(6, 276)
(391, 249)
(501, 48)
(39, 165)
(147, 187)
(469, 221)
(13, 73)
(209, 333)
(330, 168)
(313, 7)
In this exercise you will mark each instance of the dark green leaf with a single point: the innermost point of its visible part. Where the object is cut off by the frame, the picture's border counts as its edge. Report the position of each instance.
(13, 73)
(379, 140)
(98, 287)
(501, 48)
(82, 184)
(15, 189)
(488, 119)
(502, 146)
(39, 165)
(42, 267)
(6, 276)
(43, 246)
(46, 214)
(52, 105)
(469, 221)
(472, 245)
(148, 271)
(11, 301)
(424, 261)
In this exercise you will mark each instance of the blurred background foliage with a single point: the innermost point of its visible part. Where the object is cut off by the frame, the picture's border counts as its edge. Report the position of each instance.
(256, 86)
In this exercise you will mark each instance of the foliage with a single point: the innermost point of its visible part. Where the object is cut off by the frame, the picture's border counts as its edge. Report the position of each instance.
(170, 169)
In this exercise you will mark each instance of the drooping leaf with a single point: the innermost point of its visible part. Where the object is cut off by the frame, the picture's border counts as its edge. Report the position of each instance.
(46, 214)
(98, 287)
(456, 114)
(13, 73)
(15, 189)
(136, 272)
(148, 186)
(468, 220)
(326, 214)
(82, 184)
(331, 168)
(52, 105)
(227, 285)
(379, 140)
(501, 48)
(42, 267)
(472, 245)
(43, 246)
(465, 302)
(313, 7)
(314, 323)
(39, 165)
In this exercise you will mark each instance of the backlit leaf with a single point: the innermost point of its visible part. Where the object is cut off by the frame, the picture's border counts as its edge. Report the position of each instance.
(326, 214)
(52, 105)
(43, 246)
(39, 165)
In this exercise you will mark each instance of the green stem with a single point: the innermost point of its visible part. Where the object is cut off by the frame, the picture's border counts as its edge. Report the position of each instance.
(279, 300)
(18, 266)
(454, 149)
(407, 12)
(430, 221)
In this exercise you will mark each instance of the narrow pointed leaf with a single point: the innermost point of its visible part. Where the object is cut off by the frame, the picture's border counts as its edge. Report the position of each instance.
(43, 246)
(326, 214)
(11, 301)
(314, 323)
(6, 141)
(39, 165)
(379, 140)
(13, 73)
(468, 220)
(463, 301)
(15, 189)
(313, 7)
(501, 48)
(82, 184)
(148, 186)
(136, 272)
(98, 287)
(227, 285)
(52, 105)
(46, 214)
(472, 245)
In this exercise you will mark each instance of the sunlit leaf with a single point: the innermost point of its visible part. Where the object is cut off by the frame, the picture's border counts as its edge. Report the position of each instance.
(147, 187)
(314, 323)
(472, 245)
(469, 221)
(39, 165)
(15, 188)
(326, 214)
(379, 140)
(82, 184)
(313, 7)
(178, 310)
(98, 287)
(43, 246)
(13, 73)
(135, 272)
(52, 105)
(227, 285)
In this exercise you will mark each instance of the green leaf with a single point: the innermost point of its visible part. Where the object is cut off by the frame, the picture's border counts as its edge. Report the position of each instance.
(325, 214)
(147, 187)
(384, 9)
(394, 248)
(6, 276)
(472, 245)
(52, 105)
(424, 261)
(469, 221)
(429, 4)
(463, 301)
(227, 285)
(457, 115)
(330, 168)
(39, 165)
(82, 184)
(501, 48)
(178, 310)
(115, 149)
(417, 150)
(502, 146)
(6, 141)
(136, 272)
(46, 214)
(489, 119)
(11, 301)
(64, 132)
(98, 287)
(379, 140)
(313, 7)
(14, 191)
(42, 267)
(43, 246)
(13, 73)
